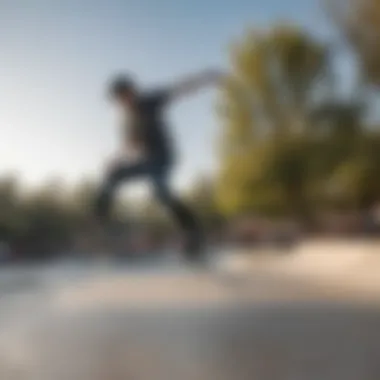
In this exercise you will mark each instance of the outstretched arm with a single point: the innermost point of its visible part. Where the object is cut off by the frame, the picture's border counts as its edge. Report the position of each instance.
(193, 83)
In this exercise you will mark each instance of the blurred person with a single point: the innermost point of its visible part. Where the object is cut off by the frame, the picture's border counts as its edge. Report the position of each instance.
(150, 150)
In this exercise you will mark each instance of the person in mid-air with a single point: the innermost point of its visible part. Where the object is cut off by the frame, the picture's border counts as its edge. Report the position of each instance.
(146, 135)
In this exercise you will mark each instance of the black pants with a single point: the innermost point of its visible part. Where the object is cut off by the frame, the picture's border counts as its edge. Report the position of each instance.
(158, 173)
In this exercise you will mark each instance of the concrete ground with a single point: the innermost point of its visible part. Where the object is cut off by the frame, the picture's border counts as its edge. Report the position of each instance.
(268, 318)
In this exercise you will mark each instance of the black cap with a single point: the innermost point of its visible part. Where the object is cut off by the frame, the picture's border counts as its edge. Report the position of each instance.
(121, 84)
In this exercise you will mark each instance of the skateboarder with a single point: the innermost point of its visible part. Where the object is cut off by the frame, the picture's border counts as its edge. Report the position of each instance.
(146, 135)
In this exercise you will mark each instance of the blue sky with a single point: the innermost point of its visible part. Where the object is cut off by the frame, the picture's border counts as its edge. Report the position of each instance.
(56, 57)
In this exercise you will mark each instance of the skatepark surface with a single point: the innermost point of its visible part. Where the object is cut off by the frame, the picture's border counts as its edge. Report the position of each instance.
(312, 313)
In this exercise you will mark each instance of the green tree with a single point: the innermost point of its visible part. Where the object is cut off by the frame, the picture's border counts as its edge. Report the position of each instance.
(277, 80)
(11, 216)
(358, 21)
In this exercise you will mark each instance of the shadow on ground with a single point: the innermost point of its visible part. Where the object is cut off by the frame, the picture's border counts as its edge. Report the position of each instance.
(267, 342)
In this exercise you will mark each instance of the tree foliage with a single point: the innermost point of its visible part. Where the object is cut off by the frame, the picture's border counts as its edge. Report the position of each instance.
(289, 145)
(358, 21)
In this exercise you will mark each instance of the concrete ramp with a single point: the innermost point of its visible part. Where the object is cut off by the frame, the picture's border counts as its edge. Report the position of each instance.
(266, 342)
(280, 320)
(350, 265)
